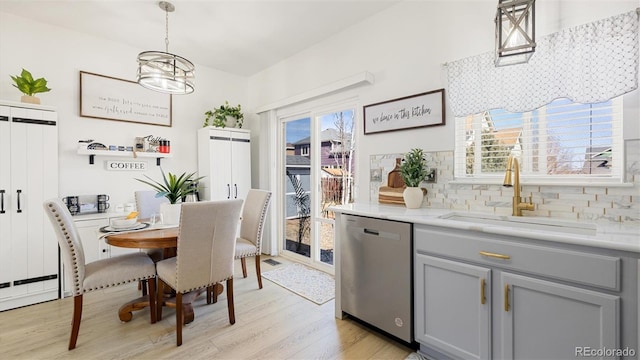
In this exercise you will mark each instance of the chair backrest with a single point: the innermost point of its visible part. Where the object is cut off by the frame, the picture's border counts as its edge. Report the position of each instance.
(147, 203)
(254, 214)
(206, 243)
(69, 241)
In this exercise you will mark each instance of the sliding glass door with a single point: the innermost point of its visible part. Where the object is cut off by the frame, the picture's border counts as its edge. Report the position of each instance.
(318, 157)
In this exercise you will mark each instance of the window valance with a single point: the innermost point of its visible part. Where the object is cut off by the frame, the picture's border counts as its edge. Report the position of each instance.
(589, 63)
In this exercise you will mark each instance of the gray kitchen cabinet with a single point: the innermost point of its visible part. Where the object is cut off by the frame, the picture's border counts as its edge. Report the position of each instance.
(546, 320)
(541, 300)
(454, 312)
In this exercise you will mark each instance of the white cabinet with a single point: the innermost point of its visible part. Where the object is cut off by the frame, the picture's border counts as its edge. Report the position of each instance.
(493, 297)
(224, 159)
(29, 263)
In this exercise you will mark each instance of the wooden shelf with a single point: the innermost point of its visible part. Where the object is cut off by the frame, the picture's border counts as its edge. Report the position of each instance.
(114, 153)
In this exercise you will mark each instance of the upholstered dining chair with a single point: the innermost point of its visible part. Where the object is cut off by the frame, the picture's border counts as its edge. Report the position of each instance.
(205, 254)
(98, 274)
(147, 204)
(248, 243)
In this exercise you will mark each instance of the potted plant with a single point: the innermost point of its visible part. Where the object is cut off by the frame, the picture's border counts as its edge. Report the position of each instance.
(225, 116)
(413, 171)
(29, 86)
(174, 188)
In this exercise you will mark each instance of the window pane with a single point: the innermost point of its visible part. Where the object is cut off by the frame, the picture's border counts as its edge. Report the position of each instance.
(562, 138)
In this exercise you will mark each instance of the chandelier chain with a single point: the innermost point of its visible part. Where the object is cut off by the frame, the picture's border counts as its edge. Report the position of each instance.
(166, 37)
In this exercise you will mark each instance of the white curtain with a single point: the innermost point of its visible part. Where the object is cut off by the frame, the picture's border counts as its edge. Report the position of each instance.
(588, 64)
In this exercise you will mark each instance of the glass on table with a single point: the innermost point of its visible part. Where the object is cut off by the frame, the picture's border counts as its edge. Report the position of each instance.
(156, 219)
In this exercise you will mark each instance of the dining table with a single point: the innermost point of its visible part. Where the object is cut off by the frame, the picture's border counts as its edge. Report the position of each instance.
(165, 238)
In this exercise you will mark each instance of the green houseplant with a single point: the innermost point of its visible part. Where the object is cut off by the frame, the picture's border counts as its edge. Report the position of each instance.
(221, 114)
(29, 86)
(173, 187)
(413, 171)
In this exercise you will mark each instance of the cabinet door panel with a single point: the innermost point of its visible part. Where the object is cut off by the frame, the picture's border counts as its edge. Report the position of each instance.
(450, 313)
(5, 212)
(241, 166)
(220, 175)
(547, 320)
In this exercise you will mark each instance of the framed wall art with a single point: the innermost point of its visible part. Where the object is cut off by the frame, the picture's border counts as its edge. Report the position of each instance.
(409, 112)
(106, 97)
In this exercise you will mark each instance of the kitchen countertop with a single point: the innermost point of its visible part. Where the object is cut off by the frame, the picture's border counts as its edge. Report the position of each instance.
(608, 235)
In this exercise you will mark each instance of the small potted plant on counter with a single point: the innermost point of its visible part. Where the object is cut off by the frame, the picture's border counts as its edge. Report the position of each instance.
(175, 188)
(225, 116)
(413, 171)
(29, 86)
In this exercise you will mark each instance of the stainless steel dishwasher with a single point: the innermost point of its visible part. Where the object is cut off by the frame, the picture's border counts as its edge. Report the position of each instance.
(376, 281)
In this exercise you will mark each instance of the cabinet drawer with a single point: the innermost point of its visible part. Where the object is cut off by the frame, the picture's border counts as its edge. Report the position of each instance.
(570, 265)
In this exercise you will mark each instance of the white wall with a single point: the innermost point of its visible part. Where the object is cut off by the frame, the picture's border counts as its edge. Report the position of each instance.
(59, 55)
(405, 47)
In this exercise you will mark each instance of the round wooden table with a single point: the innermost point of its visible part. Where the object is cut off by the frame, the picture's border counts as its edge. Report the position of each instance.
(166, 239)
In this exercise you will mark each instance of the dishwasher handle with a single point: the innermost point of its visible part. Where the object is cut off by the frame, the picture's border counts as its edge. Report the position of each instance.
(371, 232)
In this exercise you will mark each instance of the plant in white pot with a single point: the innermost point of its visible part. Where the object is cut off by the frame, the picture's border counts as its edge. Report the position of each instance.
(29, 86)
(174, 188)
(225, 116)
(413, 171)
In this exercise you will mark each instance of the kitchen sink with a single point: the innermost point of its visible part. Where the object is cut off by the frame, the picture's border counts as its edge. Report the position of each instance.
(530, 223)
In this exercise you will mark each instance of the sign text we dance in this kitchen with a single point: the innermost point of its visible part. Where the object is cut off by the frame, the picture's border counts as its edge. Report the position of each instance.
(409, 112)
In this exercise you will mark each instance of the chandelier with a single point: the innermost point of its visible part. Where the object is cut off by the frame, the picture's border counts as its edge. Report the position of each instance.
(163, 71)
(515, 31)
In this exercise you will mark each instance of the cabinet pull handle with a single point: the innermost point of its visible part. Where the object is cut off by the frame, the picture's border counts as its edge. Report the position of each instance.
(235, 188)
(18, 192)
(2, 202)
(483, 299)
(494, 255)
(228, 191)
(506, 298)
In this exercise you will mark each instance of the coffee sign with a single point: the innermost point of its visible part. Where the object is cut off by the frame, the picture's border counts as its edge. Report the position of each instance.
(126, 165)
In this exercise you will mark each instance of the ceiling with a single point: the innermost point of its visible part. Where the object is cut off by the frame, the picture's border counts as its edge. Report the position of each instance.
(241, 37)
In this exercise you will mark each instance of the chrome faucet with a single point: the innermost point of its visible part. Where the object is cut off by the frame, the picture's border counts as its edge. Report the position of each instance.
(518, 204)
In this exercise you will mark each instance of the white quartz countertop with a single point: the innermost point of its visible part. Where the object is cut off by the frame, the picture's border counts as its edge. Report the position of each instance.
(607, 235)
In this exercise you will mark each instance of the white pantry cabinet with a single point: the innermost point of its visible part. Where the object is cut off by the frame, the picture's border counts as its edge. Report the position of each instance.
(480, 296)
(224, 159)
(29, 262)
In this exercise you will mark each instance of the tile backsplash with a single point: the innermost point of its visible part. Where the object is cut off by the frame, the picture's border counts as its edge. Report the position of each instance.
(597, 203)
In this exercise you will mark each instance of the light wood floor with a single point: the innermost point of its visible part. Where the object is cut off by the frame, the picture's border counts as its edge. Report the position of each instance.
(272, 323)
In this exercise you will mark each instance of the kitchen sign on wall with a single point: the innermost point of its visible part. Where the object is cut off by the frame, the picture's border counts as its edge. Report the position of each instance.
(126, 165)
(409, 112)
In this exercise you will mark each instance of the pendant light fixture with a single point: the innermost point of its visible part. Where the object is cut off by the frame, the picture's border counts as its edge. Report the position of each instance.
(163, 71)
(515, 31)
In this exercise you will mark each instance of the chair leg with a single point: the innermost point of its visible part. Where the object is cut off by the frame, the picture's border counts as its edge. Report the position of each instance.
(142, 285)
(243, 261)
(214, 294)
(258, 273)
(179, 318)
(75, 323)
(152, 299)
(159, 299)
(209, 293)
(232, 312)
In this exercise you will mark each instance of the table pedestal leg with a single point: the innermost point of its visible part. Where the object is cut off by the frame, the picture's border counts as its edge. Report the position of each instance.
(125, 313)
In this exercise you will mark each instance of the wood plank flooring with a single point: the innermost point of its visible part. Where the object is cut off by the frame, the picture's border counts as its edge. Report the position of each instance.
(272, 323)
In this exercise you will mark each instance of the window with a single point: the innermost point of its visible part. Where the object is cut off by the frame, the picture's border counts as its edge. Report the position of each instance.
(562, 140)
